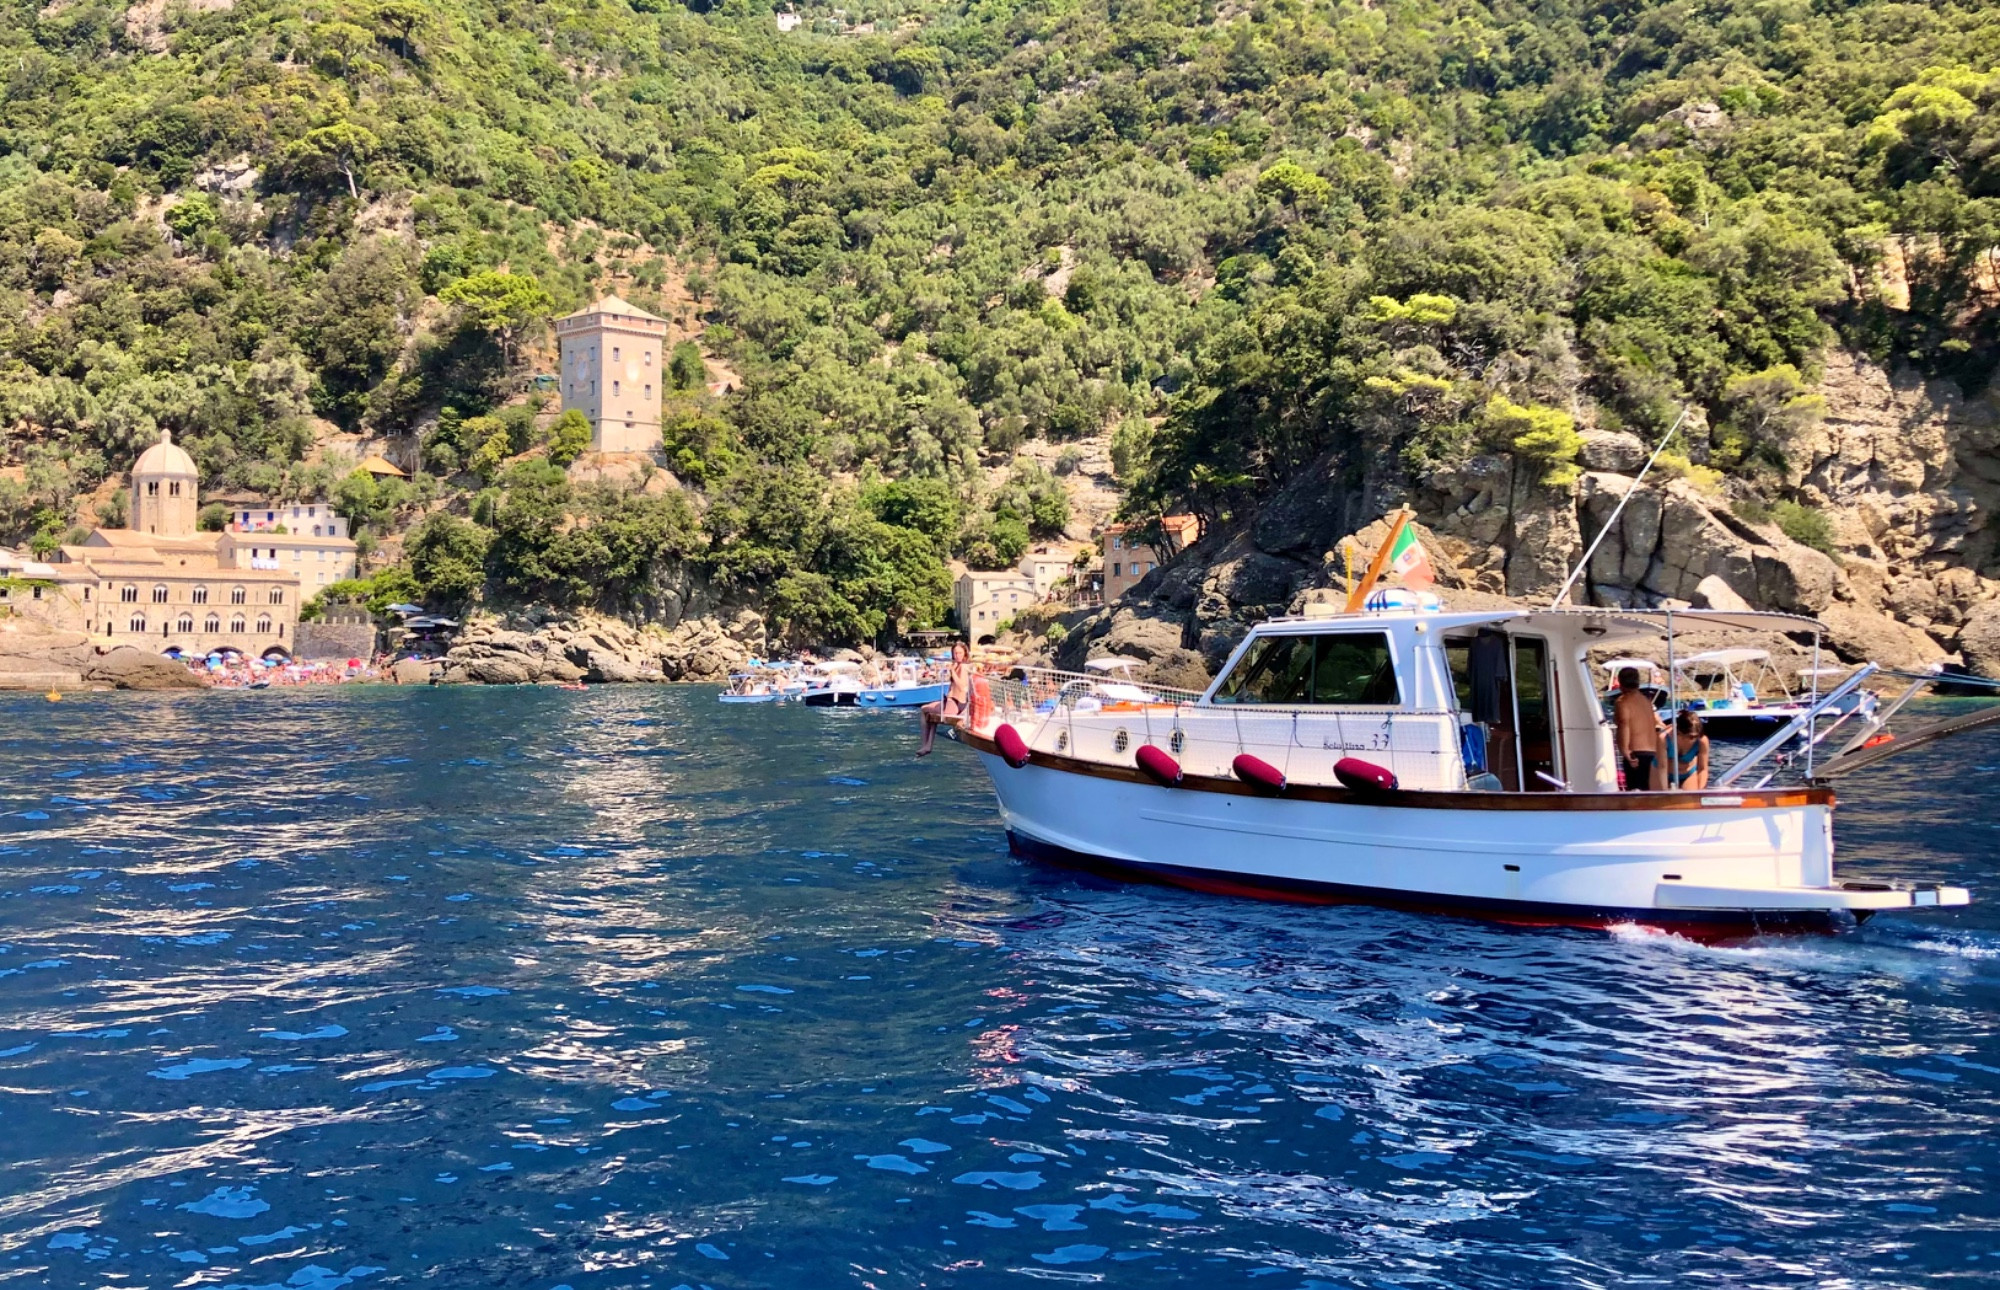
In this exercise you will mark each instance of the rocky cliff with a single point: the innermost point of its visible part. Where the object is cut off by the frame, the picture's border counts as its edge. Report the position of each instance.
(531, 646)
(1905, 471)
(37, 657)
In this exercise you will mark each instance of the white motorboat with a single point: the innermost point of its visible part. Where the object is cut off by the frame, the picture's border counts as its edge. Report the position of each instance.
(1422, 759)
(1724, 686)
(834, 684)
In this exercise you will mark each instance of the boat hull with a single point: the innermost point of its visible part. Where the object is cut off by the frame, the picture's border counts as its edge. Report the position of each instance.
(829, 698)
(1724, 864)
(1705, 925)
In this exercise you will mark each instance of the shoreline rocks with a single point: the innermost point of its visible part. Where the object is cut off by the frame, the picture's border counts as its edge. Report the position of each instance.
(532, 647)
(34, 656)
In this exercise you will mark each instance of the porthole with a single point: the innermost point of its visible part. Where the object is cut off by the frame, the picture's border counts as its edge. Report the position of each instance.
(1062, 740)
(1119, 741)
(1177, 741)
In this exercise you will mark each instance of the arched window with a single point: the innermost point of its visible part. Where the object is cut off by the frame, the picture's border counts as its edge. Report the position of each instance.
(211, 624)
(263, 624)
(174, 488)
(236, 624)
(129, 594)
(152, 488)
(186, 624)
(200, 596)
(277, 595)
(237, 596)
(159, 593)
(137, 623)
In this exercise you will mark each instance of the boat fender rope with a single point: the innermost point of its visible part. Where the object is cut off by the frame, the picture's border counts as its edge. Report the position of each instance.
(1364, 776)
(1158, 763)
(1013, 748)
(1258, 773)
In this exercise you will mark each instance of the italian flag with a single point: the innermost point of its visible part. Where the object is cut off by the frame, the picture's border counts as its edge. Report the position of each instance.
(1408, 562)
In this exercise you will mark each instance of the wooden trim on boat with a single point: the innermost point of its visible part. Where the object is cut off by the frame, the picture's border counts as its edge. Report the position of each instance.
(1432, 799)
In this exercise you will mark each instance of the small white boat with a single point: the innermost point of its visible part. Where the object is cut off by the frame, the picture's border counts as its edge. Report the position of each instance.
(1420, 759)
(1725, 685)
(835, 684)
(772, 683)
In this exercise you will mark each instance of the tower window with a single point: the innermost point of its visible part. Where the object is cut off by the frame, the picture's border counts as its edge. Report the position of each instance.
(236, 624)
(152, 488)
(174, 488)
(211, 624)
(185, 626)
(614, 353)
(263, 624)
(614, 389)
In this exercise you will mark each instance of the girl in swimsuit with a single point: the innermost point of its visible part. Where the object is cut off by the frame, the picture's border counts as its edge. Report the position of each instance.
(956, 696)
(1690, 768)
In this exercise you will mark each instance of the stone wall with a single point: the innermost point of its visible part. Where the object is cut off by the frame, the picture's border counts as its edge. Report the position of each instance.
(336, 640)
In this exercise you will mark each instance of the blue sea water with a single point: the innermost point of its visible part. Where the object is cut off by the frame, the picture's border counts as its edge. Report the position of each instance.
(525, 988)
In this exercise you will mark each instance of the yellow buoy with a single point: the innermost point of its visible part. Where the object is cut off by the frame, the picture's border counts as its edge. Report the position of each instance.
(55, 696)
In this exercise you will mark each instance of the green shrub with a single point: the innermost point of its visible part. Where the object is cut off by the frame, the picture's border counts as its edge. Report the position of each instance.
(1804, 525)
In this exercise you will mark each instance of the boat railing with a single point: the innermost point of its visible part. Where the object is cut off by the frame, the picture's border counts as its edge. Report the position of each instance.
(1098, 719)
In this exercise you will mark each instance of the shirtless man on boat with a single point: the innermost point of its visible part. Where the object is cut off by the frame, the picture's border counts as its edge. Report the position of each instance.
(1639, 744)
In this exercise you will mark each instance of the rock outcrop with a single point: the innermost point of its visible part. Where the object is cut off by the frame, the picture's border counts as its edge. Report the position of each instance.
(36, 656)
(533, 647)
(1979, 640)
(1906, 472)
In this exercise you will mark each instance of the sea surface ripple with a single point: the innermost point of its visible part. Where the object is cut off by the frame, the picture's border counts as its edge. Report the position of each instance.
(524, 988)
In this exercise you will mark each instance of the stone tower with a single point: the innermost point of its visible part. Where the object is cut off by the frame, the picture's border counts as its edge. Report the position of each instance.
(163, 490)
(613, 371)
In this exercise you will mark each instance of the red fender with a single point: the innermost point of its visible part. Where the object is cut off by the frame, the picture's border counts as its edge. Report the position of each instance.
(1364, 776)
(1013, 748)
(1157, 763)
(1258, 773)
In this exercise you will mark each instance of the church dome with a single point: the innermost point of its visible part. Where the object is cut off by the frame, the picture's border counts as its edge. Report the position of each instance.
(165, 458)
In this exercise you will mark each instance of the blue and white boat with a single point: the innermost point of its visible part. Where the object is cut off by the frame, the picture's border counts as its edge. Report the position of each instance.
(902, 694)
(775, 683)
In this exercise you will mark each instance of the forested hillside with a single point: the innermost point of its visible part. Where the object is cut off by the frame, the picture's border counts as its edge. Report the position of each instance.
(920, 234)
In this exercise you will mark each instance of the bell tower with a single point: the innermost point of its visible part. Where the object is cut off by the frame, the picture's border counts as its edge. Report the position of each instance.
(164, 480)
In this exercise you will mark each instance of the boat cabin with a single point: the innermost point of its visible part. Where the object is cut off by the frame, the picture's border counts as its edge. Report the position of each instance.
(1487, 700)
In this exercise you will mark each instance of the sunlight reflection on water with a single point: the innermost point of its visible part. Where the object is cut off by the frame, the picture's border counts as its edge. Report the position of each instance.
(525, 988)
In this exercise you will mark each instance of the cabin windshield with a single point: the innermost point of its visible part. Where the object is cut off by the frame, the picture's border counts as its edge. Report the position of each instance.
(1349, 668)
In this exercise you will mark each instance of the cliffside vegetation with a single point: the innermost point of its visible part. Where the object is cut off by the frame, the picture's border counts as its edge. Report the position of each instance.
(920, 234)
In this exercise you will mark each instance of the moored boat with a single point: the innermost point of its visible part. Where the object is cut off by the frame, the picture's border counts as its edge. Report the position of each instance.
(1422, 759)
(911, 684)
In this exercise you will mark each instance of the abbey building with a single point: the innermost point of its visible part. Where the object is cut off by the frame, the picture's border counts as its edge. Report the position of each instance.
(162, 585)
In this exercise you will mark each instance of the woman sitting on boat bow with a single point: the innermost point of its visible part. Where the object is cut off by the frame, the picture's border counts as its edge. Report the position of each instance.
(955, 698)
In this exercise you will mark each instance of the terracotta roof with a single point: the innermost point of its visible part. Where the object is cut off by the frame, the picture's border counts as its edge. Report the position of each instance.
(376, 464)
(617, 305)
